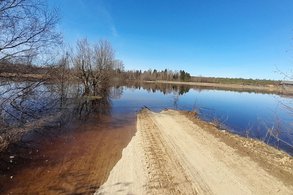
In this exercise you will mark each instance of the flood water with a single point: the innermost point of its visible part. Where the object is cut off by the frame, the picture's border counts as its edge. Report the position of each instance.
(78, 157)
(245, 113)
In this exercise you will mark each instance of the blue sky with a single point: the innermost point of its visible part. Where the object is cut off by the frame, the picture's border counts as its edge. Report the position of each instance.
(223, 38)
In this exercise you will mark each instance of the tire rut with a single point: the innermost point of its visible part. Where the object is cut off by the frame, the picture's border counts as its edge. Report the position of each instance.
(165, 172)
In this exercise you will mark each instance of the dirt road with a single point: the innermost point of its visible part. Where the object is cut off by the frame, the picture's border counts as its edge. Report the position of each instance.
(171, 154)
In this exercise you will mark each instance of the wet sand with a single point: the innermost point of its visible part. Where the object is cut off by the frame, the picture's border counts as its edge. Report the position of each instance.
(76, 162)
(173, 153)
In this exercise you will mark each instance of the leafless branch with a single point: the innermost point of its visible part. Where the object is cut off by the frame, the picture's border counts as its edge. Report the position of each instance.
(26, 27)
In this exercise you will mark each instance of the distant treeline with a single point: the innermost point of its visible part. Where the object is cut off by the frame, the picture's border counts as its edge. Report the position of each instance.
(239, 81)
(19, 68)
(154, 75)
(139, 75)
(169, 75)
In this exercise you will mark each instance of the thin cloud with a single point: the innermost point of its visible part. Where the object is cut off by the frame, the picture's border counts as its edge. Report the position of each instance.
(99, 7)
(106, 15)
(114, 31)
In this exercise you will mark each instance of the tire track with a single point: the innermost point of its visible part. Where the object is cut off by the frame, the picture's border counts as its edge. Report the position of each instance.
(165, 173)
(171, 155)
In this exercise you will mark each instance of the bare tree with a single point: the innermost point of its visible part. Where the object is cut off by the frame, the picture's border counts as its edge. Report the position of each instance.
(118, 65)
(62, 76)
(94, 66)
(26, 28)
(103, 65)
(83, 64)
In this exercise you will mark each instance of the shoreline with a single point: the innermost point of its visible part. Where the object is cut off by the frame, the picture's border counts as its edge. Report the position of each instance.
(129, 158)
(280, 90)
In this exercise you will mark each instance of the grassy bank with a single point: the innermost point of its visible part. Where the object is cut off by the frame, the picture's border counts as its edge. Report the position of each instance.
(276, 89)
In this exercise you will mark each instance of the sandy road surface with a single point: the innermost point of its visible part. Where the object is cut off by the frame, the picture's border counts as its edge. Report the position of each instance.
(170, 154)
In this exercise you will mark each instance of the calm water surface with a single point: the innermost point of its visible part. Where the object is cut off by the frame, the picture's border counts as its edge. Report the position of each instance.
(78, 157)
(247, 114)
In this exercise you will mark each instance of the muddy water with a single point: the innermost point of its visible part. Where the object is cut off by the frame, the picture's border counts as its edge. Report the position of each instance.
(77, 161)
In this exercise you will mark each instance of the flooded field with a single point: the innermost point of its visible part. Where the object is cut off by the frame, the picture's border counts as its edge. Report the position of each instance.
(78, 157)
(266, 117)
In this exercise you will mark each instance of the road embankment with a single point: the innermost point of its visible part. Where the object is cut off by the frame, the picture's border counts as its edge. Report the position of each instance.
(174, 153)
